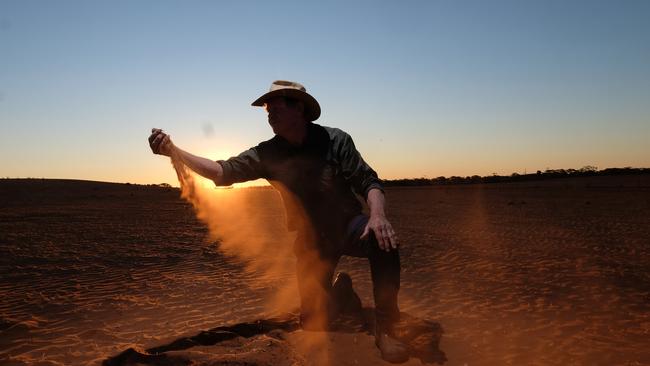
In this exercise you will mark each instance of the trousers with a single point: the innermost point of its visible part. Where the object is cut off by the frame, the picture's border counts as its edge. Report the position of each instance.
(317, 258)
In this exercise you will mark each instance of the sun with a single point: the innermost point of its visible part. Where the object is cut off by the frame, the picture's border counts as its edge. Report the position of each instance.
(209, 184)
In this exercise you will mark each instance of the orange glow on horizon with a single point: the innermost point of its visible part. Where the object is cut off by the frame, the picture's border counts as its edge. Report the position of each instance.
(207, 183)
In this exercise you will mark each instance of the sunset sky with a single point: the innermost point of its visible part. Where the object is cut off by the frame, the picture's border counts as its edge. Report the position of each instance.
(426, 88)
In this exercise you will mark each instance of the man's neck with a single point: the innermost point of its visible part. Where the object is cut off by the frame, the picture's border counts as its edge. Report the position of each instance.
(297, 136)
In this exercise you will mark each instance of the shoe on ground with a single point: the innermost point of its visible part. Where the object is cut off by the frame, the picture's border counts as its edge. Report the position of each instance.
(392, 349)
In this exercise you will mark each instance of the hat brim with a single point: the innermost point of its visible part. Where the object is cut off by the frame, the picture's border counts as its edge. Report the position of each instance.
(312, 108)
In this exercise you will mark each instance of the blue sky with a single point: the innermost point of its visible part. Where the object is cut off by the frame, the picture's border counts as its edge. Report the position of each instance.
(425, 88)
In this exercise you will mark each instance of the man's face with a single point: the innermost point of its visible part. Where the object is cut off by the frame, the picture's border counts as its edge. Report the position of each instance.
(282, 117)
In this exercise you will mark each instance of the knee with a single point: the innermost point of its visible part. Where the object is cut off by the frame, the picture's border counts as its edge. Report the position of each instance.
(373, 246)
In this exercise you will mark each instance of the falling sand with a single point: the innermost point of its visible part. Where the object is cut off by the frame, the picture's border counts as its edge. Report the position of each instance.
(247, 230)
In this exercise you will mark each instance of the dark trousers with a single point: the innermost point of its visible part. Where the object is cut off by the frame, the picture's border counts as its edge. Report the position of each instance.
(317, 258)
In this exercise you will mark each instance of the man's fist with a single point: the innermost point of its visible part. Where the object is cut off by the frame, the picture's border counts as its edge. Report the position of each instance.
(160, 142)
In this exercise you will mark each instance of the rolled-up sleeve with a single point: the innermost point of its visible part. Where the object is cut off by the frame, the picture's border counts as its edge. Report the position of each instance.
(241, 168)
(355, 170)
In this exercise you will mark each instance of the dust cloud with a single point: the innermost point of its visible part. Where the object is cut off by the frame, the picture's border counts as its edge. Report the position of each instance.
(249, 228)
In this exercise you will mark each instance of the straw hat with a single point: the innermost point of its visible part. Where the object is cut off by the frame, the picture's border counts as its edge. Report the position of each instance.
(291, 89)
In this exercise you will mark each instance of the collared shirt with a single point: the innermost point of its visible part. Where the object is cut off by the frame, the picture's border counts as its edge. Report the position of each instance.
(317, 180)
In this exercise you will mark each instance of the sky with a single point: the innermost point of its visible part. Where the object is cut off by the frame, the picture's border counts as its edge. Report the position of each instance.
(425, 88)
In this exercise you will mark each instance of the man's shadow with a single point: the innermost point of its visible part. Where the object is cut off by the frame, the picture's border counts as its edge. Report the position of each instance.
(422, 336)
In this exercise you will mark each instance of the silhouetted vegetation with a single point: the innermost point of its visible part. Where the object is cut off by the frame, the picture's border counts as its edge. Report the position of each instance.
(586, 171)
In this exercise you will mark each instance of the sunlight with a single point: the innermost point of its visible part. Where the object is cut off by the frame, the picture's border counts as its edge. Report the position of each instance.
(209, 184)
(225, 152)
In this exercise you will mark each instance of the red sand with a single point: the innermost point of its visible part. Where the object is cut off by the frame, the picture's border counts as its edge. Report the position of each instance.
(553, 272)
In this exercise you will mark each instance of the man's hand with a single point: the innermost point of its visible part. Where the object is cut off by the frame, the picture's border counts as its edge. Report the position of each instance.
(383, 231)
(160, 142)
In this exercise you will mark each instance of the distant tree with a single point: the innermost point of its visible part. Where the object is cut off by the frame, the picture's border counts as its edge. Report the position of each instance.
(455, 179)
(516, 177)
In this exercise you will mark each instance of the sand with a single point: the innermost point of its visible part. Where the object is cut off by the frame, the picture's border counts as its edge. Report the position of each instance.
(536, 273)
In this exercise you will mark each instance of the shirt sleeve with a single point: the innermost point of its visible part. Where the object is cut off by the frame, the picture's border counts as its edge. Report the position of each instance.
(355, 170)
(241, 168)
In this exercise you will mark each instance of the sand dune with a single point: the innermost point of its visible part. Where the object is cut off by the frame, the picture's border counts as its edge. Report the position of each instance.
(554, 272)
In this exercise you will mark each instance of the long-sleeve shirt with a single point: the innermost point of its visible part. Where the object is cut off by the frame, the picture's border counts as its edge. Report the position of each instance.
(317, 180)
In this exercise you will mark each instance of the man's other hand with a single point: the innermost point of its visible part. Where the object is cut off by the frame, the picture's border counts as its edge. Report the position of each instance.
(160, 142)
(383, 231)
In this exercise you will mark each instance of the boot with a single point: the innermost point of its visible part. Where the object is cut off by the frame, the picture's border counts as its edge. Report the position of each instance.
(392, 349)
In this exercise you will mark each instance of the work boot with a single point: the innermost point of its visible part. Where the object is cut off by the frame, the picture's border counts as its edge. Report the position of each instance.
(345, 300)
(392, 349)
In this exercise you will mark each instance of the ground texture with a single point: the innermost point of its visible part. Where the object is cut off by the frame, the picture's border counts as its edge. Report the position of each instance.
(539, 273)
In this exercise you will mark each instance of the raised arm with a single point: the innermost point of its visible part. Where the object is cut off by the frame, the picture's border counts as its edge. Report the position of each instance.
(161, 144)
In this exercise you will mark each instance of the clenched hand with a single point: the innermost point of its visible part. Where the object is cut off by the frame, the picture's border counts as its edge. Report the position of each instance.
(160, 142)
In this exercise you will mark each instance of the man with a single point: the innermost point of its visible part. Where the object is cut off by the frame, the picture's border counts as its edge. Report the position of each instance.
(319, 173)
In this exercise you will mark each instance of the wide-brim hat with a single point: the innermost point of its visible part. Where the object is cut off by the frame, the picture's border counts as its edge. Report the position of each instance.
(291, 89)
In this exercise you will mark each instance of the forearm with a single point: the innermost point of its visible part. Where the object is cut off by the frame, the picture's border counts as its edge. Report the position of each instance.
(205, 167)
(376, 202)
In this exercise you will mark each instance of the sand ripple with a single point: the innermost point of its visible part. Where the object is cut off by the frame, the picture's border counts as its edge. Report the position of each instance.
(532, 274)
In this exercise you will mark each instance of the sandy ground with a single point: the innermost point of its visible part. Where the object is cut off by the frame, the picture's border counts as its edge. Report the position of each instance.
(538, 273)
